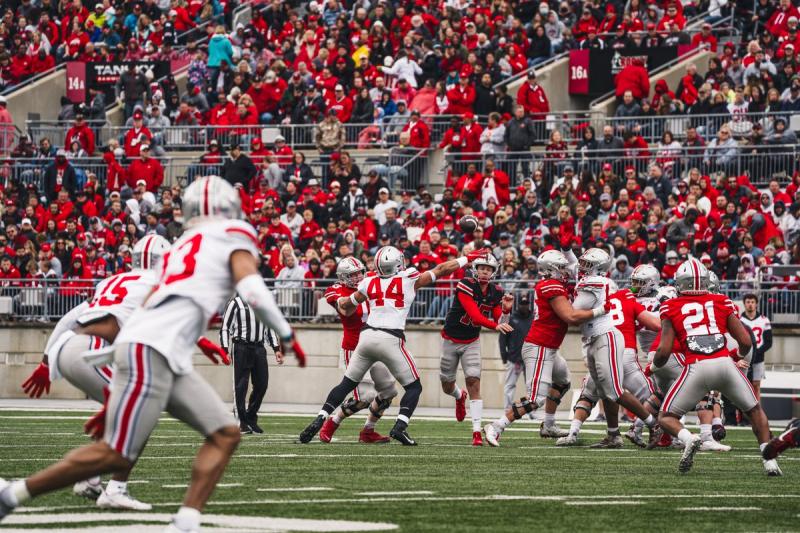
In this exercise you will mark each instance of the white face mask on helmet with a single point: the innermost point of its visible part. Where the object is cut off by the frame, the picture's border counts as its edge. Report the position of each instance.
(645, 280)
(594, 262)
(488, 261)
(350, 271)
(553, 264)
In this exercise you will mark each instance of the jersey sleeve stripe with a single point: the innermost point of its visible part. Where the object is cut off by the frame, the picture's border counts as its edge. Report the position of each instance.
(246, 234)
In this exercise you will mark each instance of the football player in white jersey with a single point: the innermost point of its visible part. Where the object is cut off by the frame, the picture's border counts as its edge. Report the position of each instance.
(153, 371)
(93, 325)
(603, 342)
(390, 293)
(762, 331)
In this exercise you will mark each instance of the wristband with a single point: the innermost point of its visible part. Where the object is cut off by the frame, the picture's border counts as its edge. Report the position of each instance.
(462, 262)
(598, 311)
(433, 275)
(353, 300)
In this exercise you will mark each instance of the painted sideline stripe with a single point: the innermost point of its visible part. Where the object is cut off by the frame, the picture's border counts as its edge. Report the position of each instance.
(294, 489)
(719, 509)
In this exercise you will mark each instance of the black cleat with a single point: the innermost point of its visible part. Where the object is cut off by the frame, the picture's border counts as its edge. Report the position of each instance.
(244, 429)
(311, 430)
(400, 434)
(718, 432)
(256, 428)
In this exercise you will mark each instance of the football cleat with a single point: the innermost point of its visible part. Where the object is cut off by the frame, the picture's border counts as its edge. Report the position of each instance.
(772, 468)
(255, 428)
(327, 431)
(5, 509)
(552, 432)
(689, 450)
(609, 442)
(634, 435)
(477, 440)
(121, 500)
(369, 436)
(90, 489)
(714, 446)
(312, 429)
(400, 434)
(569, 440)
(492, 436)
(788, 439)
(657, 438)
(718, 432)
(244, 429)
(461, 407)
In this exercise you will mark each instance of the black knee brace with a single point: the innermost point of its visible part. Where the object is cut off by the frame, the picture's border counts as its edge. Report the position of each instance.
(338, 394)
(651, 401)
(382, 405)
(522, 408)
(579, 405)
(409, 401)
(562, 390)
(352, 406)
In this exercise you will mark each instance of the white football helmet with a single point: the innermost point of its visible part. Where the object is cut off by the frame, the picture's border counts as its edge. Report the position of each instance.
(666, 292)
(594, 262)
(491, 261)
(149, 252)
(350, 271)
(713, 283)
(211, 197)
(645, 280)
(553, 264)
(389, 261)
(691, 278)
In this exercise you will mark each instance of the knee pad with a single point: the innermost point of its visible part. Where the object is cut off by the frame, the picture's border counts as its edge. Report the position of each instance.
(654, 402)
(352, 406)
(562, 390)
(584, 399)
(382, 405)
(588, 410)
(522, 408)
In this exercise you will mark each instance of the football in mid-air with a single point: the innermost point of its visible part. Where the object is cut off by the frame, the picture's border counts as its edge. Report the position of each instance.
(468, 223)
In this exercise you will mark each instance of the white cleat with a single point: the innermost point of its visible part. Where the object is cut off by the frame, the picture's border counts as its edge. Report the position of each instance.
(689, 450)
(570, 440)
(5, 509)
(121, 500)
(90, 489)
(552, 432)
(772, 468)
(714, 446)
(491, 434)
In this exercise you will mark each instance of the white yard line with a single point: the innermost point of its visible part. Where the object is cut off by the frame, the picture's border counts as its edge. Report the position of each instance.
(295, 489)
(186, 485)
(716, 509)
(605, 502)
(396, 493)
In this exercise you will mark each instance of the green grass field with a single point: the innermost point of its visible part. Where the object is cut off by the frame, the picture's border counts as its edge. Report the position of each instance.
(442, 485)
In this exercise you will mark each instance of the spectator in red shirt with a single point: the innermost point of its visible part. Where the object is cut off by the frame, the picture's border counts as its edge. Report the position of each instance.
(494, 186)
(137, 135)
(532, 97)
(705, 39)
(418, 132)
(633, 78)
(82, 133)
(340, 103)
(461, 97)
(146, 168)
(472, 136)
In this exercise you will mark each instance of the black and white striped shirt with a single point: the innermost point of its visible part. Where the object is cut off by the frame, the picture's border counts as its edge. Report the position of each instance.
(240, 324)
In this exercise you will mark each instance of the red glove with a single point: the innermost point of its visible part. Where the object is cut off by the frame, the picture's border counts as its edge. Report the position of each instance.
(648, 370)
(566, 240)
(38, 382)
(212, 350)
(477, 254)
(299, 353)
(96, 426)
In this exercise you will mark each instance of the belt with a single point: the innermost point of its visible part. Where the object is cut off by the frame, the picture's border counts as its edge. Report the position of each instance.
(393, 332)
(243, 341)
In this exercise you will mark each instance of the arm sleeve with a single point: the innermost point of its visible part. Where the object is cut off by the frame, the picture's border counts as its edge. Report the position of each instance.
(572, 262)
(767, 341)
(227, 320)
(474, 312)
(67, 322)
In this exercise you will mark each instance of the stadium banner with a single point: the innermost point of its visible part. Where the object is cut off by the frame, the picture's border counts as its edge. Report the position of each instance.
(76, 81)
(104, 77)
(592, 72)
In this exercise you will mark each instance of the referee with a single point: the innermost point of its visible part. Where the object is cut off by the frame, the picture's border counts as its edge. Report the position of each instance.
(243, 336)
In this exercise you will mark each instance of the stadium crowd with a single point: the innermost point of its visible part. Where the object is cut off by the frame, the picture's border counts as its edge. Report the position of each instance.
(387, 67)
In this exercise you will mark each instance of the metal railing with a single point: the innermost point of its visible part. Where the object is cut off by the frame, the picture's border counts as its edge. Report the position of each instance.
(47, 300)
(761, 163)
(523, 74)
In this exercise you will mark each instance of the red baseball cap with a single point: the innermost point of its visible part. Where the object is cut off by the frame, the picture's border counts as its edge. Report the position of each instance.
(81, 236)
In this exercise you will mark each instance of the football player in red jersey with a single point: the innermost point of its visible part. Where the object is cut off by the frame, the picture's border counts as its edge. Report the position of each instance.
(478, 303)
(625, 312)
(788, 439)
(699, 321)
(544, 367)
(377, 393)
